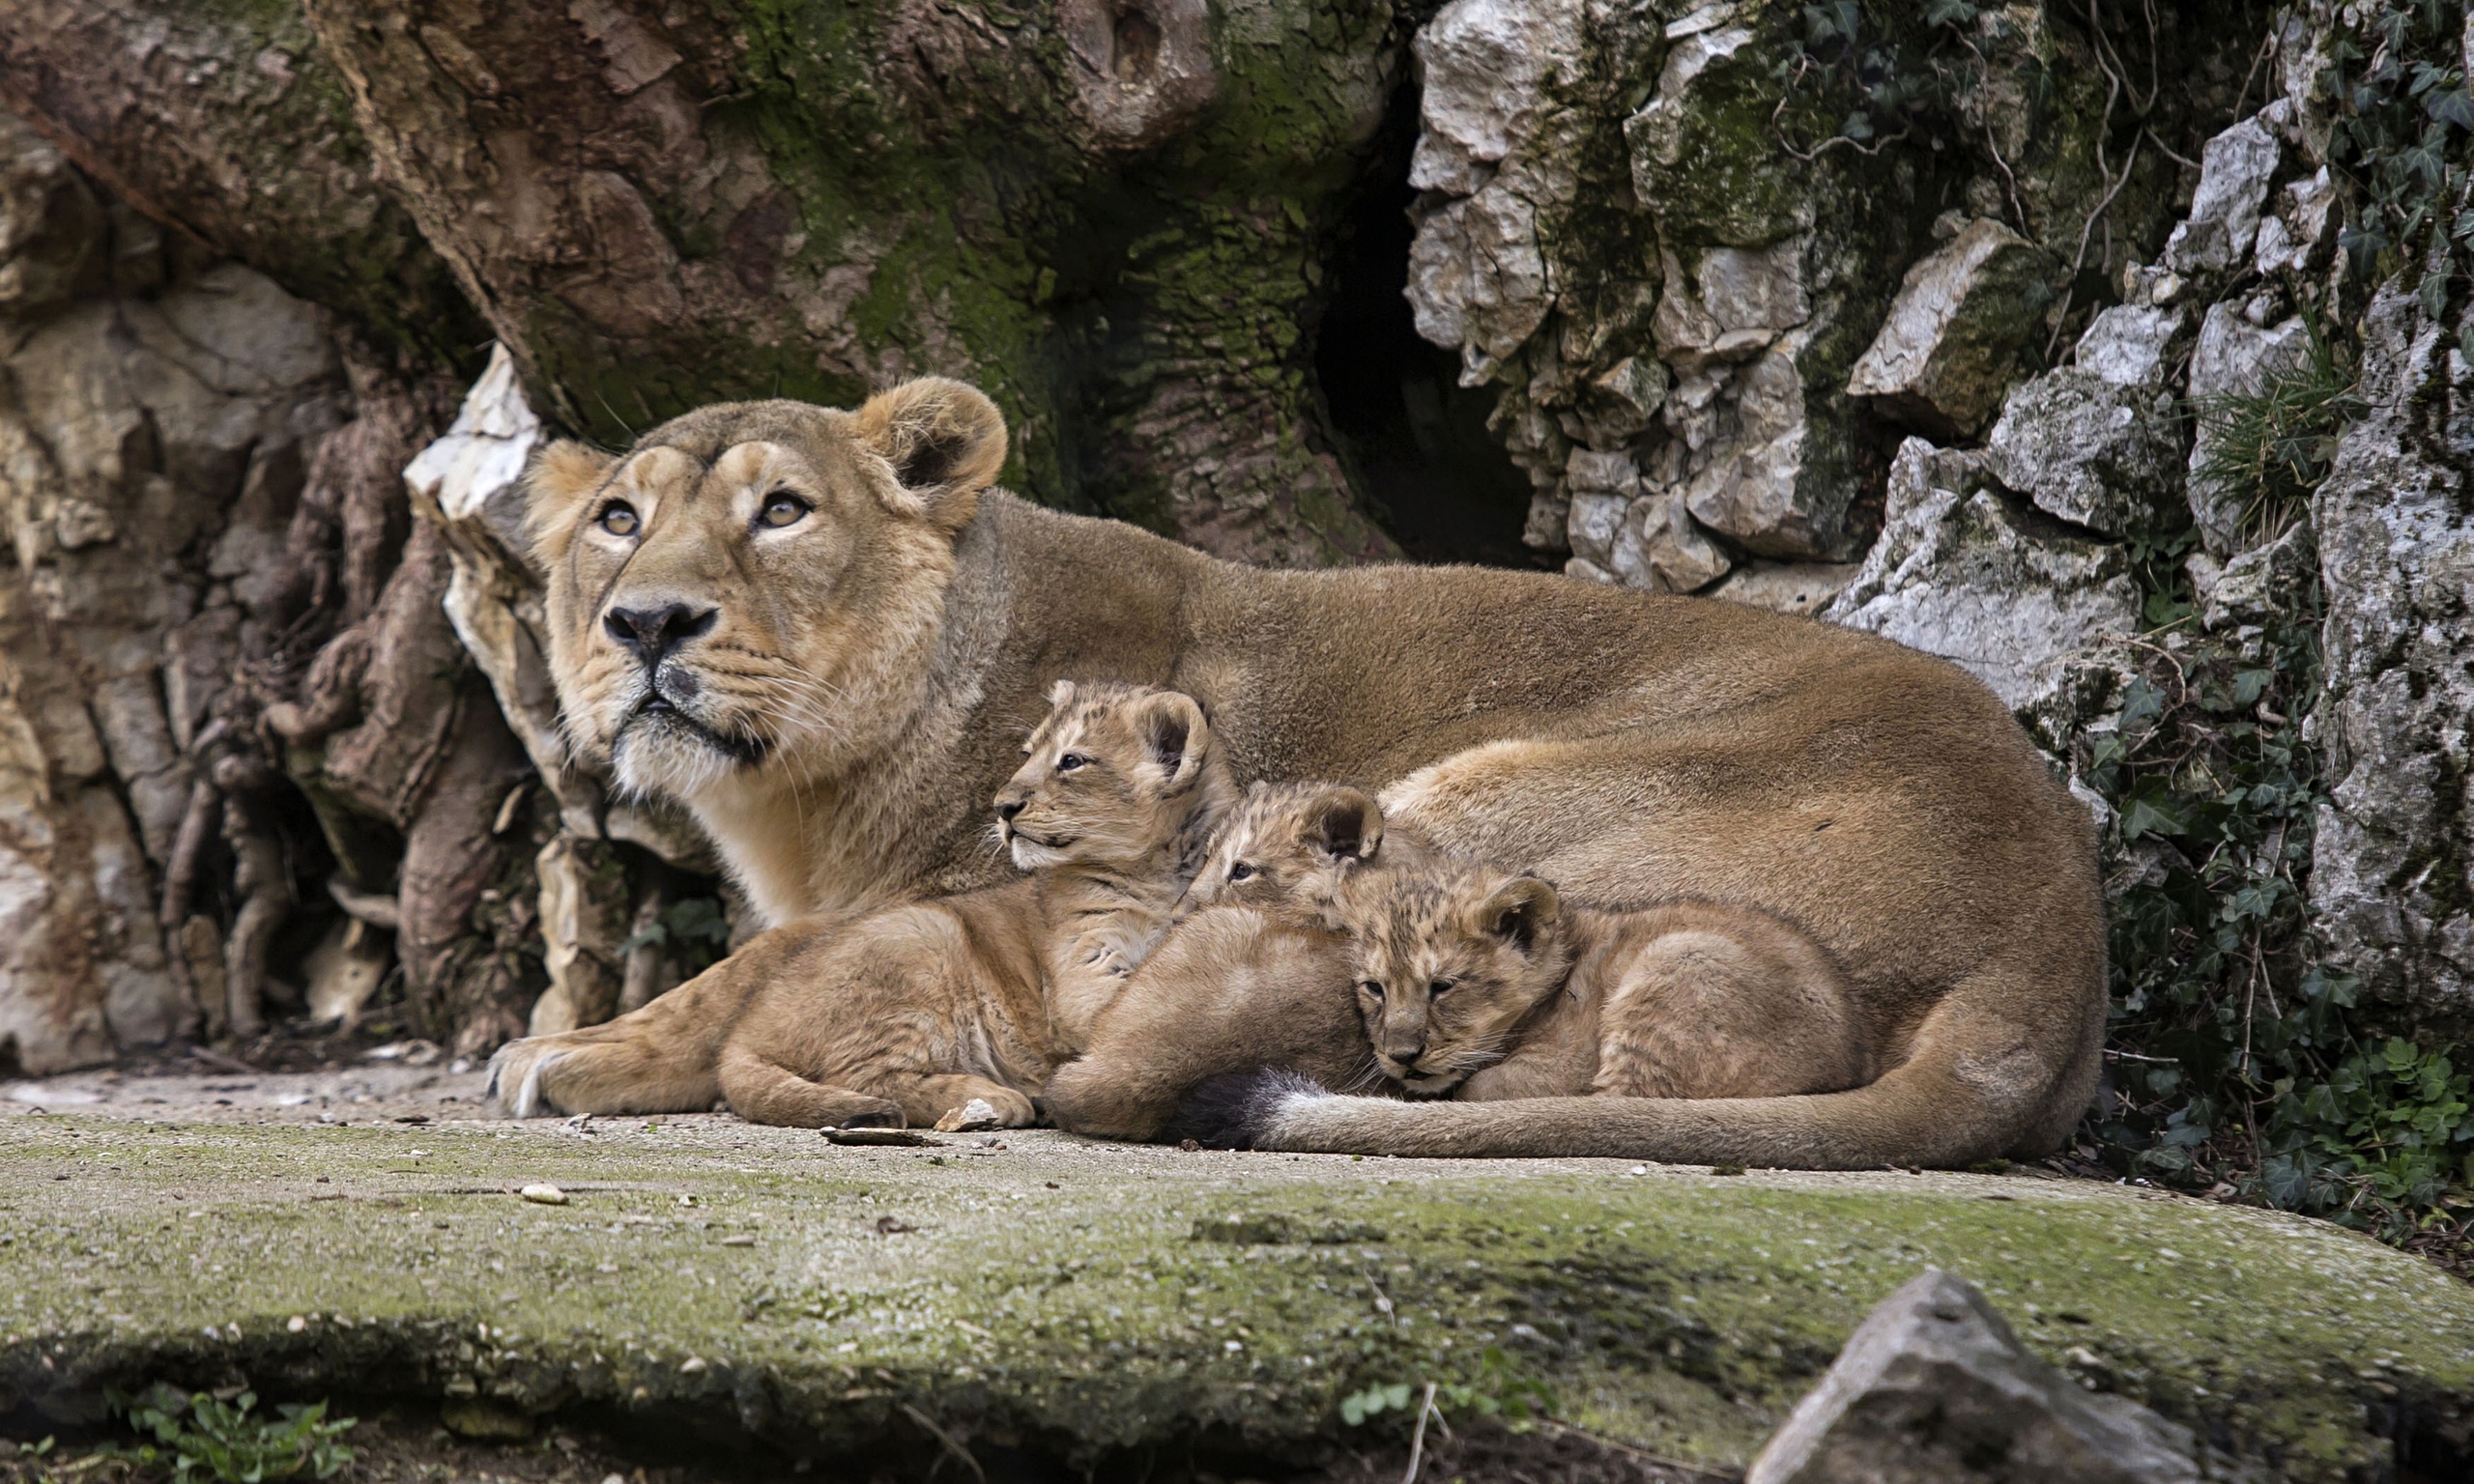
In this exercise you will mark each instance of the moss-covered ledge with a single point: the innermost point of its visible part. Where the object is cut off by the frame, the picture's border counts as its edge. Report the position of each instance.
(1081, 1301)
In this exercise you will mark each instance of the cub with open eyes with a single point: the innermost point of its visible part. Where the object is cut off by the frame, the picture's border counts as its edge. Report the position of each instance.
(1476, 983)
(1255, 974)
(913, 1012)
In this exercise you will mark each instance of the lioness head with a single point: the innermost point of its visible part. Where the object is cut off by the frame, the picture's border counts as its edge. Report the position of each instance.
(1449, 957)
(1289, 846)
(753, 587)
(1114, 774)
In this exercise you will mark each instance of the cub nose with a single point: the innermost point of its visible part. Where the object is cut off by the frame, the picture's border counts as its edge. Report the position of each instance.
(650, 633)
(1007, 809)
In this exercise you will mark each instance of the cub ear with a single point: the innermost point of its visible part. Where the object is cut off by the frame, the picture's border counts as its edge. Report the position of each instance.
(1060, 693)
(1517, 910)
(1177, 737)
(1345, 825)
(944, 439)
(563, 477)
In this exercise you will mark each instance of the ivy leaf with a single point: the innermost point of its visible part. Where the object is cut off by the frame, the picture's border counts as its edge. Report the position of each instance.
(2449, 105)
(2152, 809)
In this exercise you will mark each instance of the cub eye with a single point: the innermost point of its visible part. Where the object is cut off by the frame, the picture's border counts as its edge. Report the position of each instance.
(1241, 871)
(1070, 761)
(1437, 988)
(619, 518)
(781, 510)
(1371, 987)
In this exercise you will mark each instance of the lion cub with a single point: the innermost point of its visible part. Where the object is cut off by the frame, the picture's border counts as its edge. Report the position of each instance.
(1256, 975)
(916, 1012)
(1475, 982)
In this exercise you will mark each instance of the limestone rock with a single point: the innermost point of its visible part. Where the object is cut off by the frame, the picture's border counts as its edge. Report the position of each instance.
(2258, 584)
(2131, 345)
(2235, 169)
(1494, 151)
(1962, 571)
(1661, 549)
(1788, 587)
(2390, 879)
(2296, 239)
(1684, 154)
(1951, 344)
(2234, 357)
(2091, 450)
(470, 482)
(1933, 1387)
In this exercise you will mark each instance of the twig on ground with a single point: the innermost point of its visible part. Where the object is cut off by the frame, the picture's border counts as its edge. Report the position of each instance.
(1418, 1440)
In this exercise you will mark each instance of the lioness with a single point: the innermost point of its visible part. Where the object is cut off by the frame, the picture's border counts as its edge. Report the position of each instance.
(1479, 982)
(812, 628)
(915, 1012)
(1255, 974)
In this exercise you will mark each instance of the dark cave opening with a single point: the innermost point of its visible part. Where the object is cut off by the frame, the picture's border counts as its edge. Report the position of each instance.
(1413, 439)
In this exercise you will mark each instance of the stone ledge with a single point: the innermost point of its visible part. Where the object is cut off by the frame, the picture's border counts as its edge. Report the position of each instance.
(1081, 1301)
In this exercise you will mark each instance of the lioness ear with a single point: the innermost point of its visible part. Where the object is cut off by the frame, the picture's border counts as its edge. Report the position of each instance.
(945, 441)
(1345, 825)
(563, 477)
(1518, 909)
(1177, 737)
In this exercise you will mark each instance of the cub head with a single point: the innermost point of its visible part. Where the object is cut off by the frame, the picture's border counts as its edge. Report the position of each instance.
(752, 589)
(1291, 845)
(1449, 957)
(1117, 775)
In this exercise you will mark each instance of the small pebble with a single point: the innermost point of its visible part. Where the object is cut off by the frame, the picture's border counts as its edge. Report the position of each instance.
(738, 1242)
(544, 1195)
(296, 1323)
(692, 1365)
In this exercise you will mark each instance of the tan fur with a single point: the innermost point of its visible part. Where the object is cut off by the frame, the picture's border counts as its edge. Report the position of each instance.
(912, 1010)
(1256, 975)
(1481, 985)
(863, 665)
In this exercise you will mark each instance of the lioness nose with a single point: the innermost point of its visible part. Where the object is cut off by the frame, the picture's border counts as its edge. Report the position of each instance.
(649, 633)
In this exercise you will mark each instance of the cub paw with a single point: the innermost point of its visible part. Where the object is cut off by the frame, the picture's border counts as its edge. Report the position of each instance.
(1006, 1110)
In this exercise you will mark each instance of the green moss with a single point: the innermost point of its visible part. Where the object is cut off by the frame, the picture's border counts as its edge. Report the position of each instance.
(1085, 1299)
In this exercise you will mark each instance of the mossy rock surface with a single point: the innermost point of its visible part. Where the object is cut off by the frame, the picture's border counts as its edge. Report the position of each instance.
(1094, 1304)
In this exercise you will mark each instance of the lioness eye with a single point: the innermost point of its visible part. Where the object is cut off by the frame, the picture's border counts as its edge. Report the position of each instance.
(1437, 988)
(1372, 988)
(783, 509)
(1241, 871)
(619, 518)
(1070, 761)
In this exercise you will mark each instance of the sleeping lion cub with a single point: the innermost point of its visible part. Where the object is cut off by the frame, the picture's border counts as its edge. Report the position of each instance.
(915, 1012)
(1475, 982)
(1256, 975)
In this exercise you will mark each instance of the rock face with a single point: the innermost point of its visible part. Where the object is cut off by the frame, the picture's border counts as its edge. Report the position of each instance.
(2391, 893)
(1967, 571)
(1934, 1388)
